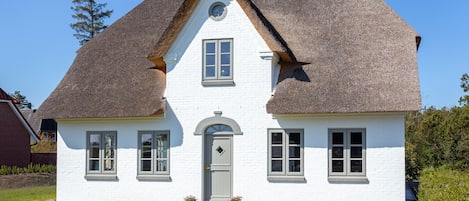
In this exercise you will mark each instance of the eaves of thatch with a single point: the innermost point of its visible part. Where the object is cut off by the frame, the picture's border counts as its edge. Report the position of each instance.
(336, 57)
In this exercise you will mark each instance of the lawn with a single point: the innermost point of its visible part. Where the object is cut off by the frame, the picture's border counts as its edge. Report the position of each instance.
(38, 193)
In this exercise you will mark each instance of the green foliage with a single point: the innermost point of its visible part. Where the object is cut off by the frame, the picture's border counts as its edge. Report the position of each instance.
(443, 184)
(28, 194)
(190, 198)
(437, 137)
(90, 19)
(22, 101)
(465, 86)
(32, 168)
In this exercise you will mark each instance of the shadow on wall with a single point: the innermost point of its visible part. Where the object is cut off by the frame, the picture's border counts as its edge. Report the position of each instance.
(127, 130)
(384, 131)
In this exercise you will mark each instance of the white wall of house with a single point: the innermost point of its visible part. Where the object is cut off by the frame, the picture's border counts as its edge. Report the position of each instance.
(189, 102)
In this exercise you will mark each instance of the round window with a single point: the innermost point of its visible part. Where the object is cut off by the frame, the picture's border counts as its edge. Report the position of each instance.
(217, 11)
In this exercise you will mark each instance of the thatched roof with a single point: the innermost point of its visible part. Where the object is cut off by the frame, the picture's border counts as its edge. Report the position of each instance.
(361, 55)
(336, 56)
(111, 75)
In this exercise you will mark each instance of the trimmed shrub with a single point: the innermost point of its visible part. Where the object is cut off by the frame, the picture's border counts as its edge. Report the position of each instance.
(443, 184)
(32, 168)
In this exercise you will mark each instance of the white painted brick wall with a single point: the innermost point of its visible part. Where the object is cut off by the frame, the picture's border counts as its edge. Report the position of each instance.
(189, 103)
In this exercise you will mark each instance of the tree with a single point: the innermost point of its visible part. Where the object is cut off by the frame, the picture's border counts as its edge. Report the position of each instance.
(465, 86)
(90, 19)
(22, 101)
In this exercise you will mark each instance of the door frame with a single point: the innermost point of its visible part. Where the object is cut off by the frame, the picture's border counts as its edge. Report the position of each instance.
(200, 131)
(204, 161)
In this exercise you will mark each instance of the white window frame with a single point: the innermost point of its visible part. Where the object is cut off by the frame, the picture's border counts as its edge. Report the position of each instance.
(101, 174)
(218, 79)
(347, 174)
(154, 174)
(285, 175)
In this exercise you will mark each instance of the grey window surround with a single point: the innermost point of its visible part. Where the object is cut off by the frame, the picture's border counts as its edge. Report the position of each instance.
(217, 78)
(154, 177)
(214, 10)
(347, 175)
(101, 174)
(285, 175)
(153, 174)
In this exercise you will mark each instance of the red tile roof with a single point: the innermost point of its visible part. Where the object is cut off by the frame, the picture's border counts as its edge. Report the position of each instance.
(4, 96)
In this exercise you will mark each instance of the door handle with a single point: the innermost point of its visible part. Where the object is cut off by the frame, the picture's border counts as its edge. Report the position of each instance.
(207, 168)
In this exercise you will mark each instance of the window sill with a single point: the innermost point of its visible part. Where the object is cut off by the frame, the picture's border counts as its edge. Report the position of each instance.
(286, 179)
(348, 179)
(218, 83)
(153, 177)
(101, 177)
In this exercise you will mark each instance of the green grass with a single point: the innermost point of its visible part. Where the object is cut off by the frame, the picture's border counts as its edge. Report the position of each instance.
(38, 193)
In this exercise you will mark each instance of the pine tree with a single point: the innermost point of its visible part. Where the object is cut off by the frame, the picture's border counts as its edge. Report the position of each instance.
(90, 19)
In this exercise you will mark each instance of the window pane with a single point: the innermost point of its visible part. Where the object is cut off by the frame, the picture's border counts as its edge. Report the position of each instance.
(210, 60)
(210, 47)
(225, 47)
(277, 166)
(225, 71)
(162, 140)
(94, 152)
(337, 152)
(355, 166)
(294, 166)
(145, 165)
(277, 138)
(210, 71)
(147, 139)
(337, 166)
(225, 59)
(161, 152)
(356, 152)
(294, 138)
(94, 165)
(337, 138)
(146, 152)
(109, 146)
(161, 165)
(277, 152)
(356, 138)
(95, 140)
(294, 152)
(108, 164)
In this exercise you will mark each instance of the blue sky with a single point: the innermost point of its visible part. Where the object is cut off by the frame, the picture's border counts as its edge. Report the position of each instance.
(37, 45)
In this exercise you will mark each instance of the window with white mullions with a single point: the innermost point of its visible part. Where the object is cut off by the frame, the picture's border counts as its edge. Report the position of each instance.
(153, 153)
(347, 150)
(286, 158)
(218, 61)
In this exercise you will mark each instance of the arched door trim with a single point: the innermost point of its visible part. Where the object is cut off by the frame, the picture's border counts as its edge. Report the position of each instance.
(217, 119)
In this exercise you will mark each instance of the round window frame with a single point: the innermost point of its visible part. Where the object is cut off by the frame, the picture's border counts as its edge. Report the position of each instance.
(211, 9)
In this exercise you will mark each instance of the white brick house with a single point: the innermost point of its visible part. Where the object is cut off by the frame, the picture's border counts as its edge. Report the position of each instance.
(269, 100)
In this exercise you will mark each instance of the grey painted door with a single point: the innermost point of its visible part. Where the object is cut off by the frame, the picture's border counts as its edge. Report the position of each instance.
(218, 167)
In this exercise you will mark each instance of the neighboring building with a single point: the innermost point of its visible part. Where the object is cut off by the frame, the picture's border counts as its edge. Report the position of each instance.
(15, 133)
(269, 100)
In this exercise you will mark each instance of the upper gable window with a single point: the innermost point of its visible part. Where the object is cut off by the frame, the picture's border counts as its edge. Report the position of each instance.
(218, 62)
(217, 11)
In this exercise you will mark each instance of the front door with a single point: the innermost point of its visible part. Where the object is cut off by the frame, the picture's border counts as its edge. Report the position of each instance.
(218, 166)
